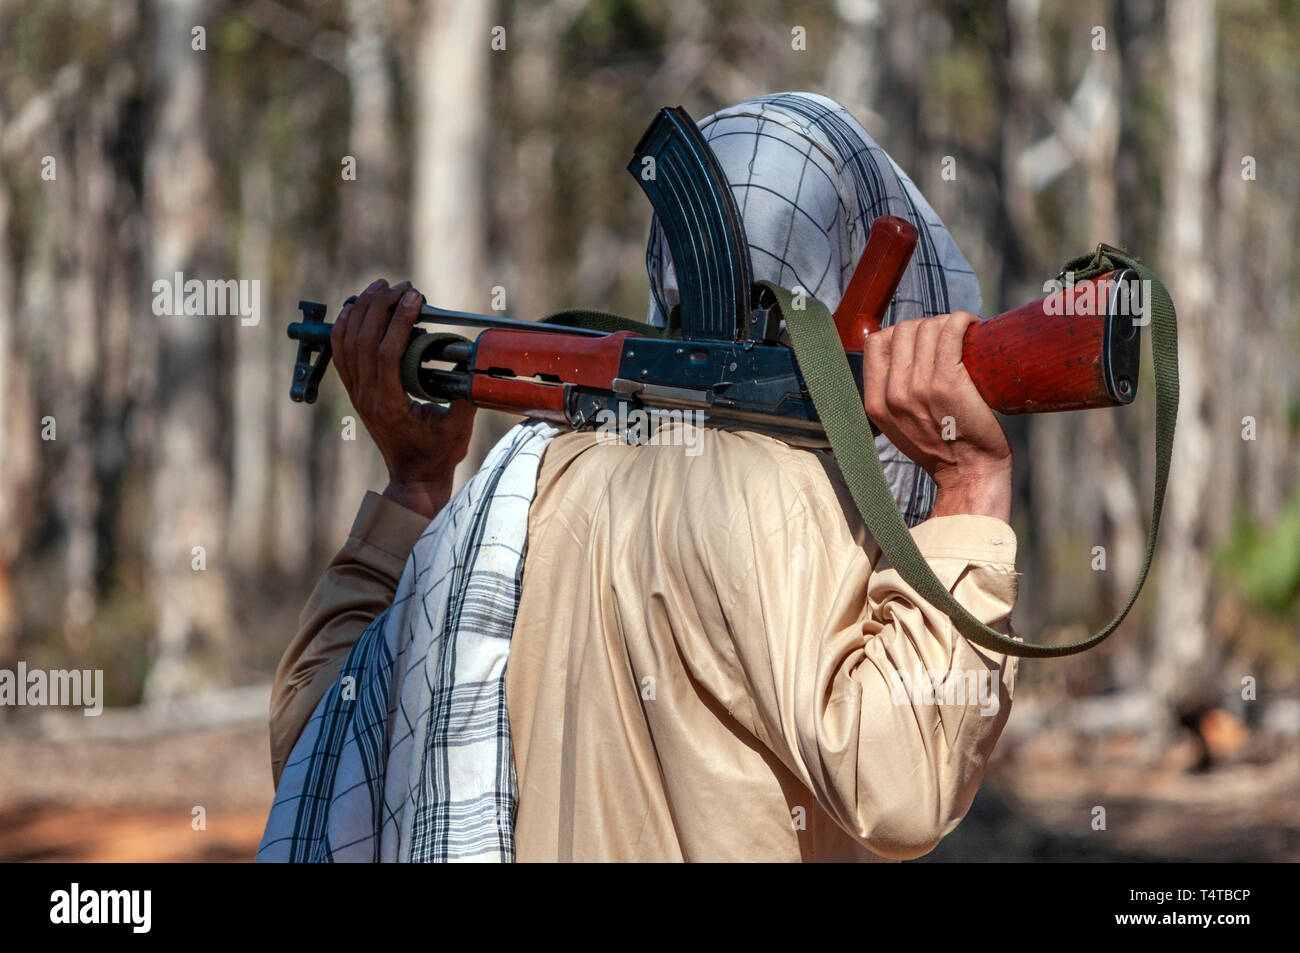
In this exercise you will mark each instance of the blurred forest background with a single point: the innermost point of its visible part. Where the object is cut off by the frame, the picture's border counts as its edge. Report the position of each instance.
(490, 140)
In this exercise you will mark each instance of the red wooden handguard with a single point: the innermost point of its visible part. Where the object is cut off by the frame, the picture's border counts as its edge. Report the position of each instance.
(555, 358)
(1071, 350)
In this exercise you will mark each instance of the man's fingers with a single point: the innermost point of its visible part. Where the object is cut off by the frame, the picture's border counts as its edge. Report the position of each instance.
(358, 316)
(378, 315)
(337, 334)
(460, 418)
(952, 338)
(927, 343)
(875, 371)
(393, 345)
(901, 354)
(398, 332)
(366, 346)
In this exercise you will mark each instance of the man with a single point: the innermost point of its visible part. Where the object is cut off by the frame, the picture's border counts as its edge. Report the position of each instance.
(708, 659)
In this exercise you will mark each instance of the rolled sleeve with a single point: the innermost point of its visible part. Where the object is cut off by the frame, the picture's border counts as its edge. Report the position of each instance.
(357, 586)
(869, 693)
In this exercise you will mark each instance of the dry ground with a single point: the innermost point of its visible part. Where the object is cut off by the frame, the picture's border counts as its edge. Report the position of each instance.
(128, 793)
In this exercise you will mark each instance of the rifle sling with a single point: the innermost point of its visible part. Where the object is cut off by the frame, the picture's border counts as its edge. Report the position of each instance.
(830, 384)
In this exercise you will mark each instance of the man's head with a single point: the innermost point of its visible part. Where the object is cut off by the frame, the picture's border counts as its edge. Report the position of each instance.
(809, 181)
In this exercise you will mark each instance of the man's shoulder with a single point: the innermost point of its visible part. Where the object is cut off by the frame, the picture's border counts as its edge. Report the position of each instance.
(696, 468)
(691, 447)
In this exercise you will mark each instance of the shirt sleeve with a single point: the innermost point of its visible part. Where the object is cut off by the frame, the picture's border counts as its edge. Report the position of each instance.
(358, 585)
(865, 691)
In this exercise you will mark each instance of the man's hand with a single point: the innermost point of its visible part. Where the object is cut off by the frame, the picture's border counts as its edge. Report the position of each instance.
(918, 393)
(420, 443)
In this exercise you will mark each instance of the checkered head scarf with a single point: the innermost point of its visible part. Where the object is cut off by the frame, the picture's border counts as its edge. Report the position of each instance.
(809, 181)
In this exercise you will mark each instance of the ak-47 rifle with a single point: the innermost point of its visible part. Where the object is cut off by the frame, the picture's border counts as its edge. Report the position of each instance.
(1075, 349)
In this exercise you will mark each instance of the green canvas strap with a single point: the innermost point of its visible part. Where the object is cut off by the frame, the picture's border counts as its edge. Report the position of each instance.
(830, 383)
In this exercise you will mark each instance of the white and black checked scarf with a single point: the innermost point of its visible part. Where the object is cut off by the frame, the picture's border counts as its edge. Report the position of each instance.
(809, 181)
(408, 756)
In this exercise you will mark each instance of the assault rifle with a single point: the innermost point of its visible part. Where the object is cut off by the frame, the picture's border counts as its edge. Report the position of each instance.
(1077, 348)
(725, 353)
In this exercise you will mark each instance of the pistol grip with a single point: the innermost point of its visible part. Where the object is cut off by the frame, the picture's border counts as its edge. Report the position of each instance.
(884, 259)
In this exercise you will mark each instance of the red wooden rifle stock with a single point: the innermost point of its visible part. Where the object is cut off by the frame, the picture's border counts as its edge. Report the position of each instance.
(1071, 350)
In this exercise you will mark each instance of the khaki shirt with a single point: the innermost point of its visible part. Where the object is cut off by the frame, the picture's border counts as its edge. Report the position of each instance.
(707, 655)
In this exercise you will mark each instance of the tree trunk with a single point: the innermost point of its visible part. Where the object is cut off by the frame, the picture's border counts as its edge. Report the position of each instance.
(13, 436)
(1105, 441)
(1182, 638)
(189, 496)
(450, 207)
(255, 371)
(372, 243)
(81, 214)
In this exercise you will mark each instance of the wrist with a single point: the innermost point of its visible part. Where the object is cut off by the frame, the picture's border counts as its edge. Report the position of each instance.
(426, 497)
(983, 490)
